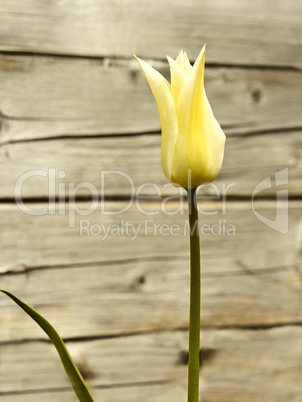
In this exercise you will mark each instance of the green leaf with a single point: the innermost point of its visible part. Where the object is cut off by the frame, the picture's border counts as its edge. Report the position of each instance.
(75, 377)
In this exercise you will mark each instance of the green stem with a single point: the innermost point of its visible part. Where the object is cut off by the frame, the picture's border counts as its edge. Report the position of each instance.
(194, 329)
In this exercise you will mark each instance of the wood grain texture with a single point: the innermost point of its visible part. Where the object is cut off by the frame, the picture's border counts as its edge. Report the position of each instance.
(150, 295)
(260, 32)
(128, 393)
(113, 362)
(50, 239)
(72, 99)
(126, 163)
(71, 278)
(269, 362)
(45, 97)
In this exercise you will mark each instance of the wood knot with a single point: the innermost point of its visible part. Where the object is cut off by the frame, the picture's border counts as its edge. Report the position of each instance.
(256, 95)
(137, 283)
(85, 370)
(141, 280)
(205, 355)
(183, 357)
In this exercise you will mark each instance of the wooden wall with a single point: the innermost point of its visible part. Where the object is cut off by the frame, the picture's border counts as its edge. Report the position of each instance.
(73, 100)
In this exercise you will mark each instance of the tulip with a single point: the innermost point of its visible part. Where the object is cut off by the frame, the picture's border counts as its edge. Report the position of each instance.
(192, 139)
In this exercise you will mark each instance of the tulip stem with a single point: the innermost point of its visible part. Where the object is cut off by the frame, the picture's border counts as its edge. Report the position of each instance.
(195, 285)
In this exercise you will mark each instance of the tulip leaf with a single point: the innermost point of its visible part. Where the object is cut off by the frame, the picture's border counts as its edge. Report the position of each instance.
(72, 371)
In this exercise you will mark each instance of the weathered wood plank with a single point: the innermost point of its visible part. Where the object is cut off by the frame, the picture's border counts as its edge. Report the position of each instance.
(269, 32)
(261, 365)
(129, 364)
(148, 296)
(50, 239)
(145, 280)
(51, 97)
(136, 160)
(129, 393)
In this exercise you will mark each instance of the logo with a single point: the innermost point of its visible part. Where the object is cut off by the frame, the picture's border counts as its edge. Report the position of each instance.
(280, 223)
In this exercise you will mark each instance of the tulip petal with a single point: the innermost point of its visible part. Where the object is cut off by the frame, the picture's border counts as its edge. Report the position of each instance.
(161, 90)
(192, 140)
(183, 61)
(189, 112)
(215, 140)
(200, 136)
(178, 78)
(179, 58)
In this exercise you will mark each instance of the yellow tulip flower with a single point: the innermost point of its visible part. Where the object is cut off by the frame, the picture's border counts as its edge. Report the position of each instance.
(192, 140)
